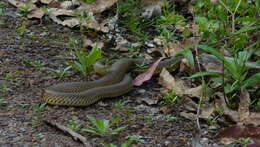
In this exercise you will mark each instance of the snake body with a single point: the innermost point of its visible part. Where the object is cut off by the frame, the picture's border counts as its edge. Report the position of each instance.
(116, 82)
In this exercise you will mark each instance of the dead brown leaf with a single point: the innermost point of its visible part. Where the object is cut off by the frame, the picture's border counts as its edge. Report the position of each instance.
(35, 13)
(97, 7)
(146, 75)
(33, 10)
(69, 4)
(207, 110)
(245, 118)
(46, 1)
(230, 134)
(122, 45)
(190, 116)
(169, 82)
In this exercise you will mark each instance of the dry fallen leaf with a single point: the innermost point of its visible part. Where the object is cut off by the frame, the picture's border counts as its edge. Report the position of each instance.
(146, 75)
(207, 110)
(96, 7)
(35, 13)
(230, 134)
(169, 82)
(253, 118)
(46, 1)
(33, 10)
(190, 116)
(122, 45)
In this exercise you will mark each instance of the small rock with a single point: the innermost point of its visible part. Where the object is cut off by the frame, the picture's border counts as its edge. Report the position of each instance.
(152, 11)
(149, 44)
(167, 142)
(149, 101)
(141, 91)
(204, 141)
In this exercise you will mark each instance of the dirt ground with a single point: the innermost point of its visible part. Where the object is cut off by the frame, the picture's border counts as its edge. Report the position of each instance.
(21, 124)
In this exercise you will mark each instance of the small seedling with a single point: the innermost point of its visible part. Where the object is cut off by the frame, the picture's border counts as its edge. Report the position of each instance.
(10, 76)
(85, 60)
(2, 102)
(171, 97)
(170, 118)
(135, 138)
(37, 63)
(2, 5)
(59, 72)
(40, 136)
(211, 121)
(24, 105)
(4, 90)
(75, 125)
(21, 30)
(244, 142)
(120, 104)
(38, 110)
(26, 7)
(89, 1)
(103, 127)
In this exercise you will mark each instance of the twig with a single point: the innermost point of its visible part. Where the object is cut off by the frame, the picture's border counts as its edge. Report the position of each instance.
(232, 13)
(74, 134)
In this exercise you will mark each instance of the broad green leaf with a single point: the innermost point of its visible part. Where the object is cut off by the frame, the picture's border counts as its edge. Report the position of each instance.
(247, 29)
(200, 74)
(188, 55)
(254, 79)
(91, 131)
(117, 130)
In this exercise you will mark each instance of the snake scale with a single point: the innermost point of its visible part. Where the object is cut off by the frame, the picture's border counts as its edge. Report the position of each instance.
(116, 82)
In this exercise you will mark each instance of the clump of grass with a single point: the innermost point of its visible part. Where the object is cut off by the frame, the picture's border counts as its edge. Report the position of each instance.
(85, 60)
(103, 127)
(38, 114)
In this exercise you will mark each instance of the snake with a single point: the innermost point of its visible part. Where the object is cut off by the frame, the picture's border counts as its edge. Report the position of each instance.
(117, 81)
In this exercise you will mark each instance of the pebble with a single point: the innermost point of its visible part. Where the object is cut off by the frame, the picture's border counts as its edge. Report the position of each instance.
(141, 91)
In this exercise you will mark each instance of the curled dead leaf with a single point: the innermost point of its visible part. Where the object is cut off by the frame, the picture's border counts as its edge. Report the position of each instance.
(171, 83)
(33, 10)
(96, 7)
(146, 75)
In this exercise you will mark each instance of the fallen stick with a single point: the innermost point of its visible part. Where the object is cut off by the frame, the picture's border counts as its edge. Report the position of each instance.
(76, 136)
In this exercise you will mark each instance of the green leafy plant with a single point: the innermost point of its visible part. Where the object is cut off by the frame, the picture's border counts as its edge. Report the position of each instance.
(22, 29)
(75, 125)
(170, 118)
(4, 89)
(2, 102)
(171, 97)
(85, 60)
(236, 75)
(38, 110)
(103, 127)
(2, 5)
(211, 121)
(59, 72)
(37, 63)
(26, 7)
(89, 1)
(10, 76)
(24, 105)
(130, 11)
(120, 104)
